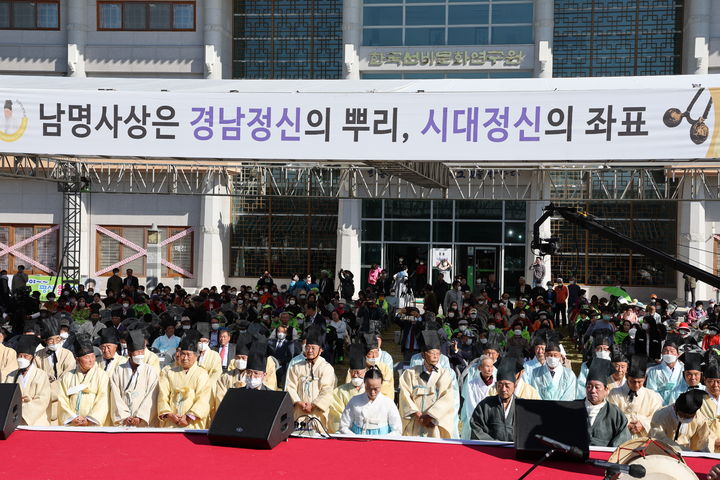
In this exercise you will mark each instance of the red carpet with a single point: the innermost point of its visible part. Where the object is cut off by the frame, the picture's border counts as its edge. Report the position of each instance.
(109, 456)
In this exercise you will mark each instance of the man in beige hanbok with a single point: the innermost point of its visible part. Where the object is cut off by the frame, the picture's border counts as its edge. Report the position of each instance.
(354, 386)
(184, 391)
(83, 392)
(311, 381)
(34, 383)
(681, 425)
(133, 387)
(8, 358)
(209, 360)
(638, 403)
(427, 406)
(54, 360)
(109, 342)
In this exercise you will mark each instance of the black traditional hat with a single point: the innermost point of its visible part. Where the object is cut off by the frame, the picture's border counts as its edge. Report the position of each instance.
(690, 401)
(357, 357)
(429, 340)
(135, 340)
(109, 335)
(27, 344)
(638, 366)
(600, 370)
(83, 345)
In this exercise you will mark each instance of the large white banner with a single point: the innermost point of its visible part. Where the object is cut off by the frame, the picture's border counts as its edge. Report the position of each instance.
(632, 124)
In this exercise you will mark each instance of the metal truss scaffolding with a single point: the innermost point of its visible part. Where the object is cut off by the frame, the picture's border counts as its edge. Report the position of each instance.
(71, 189)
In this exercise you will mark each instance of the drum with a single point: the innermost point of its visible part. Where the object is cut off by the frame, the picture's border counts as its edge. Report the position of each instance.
(661, 461)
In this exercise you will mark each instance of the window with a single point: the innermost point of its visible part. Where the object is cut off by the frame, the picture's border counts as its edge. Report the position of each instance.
(458, 22)
(43, 249)
(283, 39)
(283, 235)
(598, 38)
(153, 16)
(25, 15)
(178, 252)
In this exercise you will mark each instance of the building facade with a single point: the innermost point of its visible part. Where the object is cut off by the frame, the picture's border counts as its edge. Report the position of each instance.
(229, 240)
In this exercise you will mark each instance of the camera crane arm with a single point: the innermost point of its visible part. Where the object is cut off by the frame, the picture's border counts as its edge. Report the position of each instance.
(548, 246)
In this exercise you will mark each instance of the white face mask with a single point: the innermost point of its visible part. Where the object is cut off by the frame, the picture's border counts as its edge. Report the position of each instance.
(126, 305)
(356, 381)
(603, 355)
(451, 315)
(281, 336)
(254, 382)
(55, 347)
(552, 362)
(203, 347)
(64, 335)
(371, 361)
(138, 359)
(215, 326)
(186, 327)
(462, 328)
(491, 327)
(292, 302)
(23, 363)
(669, 358)
(240, 364)
(517, 332)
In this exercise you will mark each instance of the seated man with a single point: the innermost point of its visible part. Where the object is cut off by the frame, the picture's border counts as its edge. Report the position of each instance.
(34, 383)
(691, 375)
(311, 381)
(184, 391)
(494, 416)
(427, 406)
(109, 342)
(209, 360)
(476, 390)
(553, 381)
(53, 360)
(133, 387)
(638, 403)
(83, 391)
(607, 424)
(682, 426)
(256, 368)
(372, 360)
(664, 377)
(371, 413)
(356, 386)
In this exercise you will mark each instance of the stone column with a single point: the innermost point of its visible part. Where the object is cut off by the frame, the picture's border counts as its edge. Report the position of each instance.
(76, 37)
(352, 38)
(213, 240)
(213, 32)
(696, 37)
(348, 255)
(544, 30)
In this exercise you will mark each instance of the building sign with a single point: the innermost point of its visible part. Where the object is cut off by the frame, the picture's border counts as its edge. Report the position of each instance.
(447, 57)
(560, 121)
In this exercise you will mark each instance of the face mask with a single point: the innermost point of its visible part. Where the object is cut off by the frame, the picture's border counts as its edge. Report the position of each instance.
(126, 305)
(302, 297)
(138, 359)
(64, 335)
(603, 355)
(552, 362)
(462, 328)
(451, 315)
(668, 358)
(491, 327)
(186, 327)
(215, 326)
(494, 305)
(522, 315)
(468, 341)
(240, 364)
(55, 347)
(23, 363)
(645, 326)
(684, 334)
(371, 361)
(202, 346)
(281, 336)
(254, 382)
(483, 340)
(357, 381)
(473, 315)
(266, 317)
(459, 289)
(606, 317)
(517, 332)
(292, 302)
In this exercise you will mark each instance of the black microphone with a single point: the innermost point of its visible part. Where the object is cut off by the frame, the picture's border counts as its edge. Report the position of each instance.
(635, 471)
(560, 447)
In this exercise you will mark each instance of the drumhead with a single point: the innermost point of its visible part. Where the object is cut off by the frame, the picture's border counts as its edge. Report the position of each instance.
(661, 467)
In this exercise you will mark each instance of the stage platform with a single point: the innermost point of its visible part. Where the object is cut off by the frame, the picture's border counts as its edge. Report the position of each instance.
(61, 454)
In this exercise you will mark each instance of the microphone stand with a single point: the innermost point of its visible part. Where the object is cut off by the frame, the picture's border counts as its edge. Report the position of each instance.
(537, 464)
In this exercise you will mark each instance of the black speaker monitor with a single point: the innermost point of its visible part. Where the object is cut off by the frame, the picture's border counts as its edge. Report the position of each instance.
(257, 419)
(10, 408)
(566, 422)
